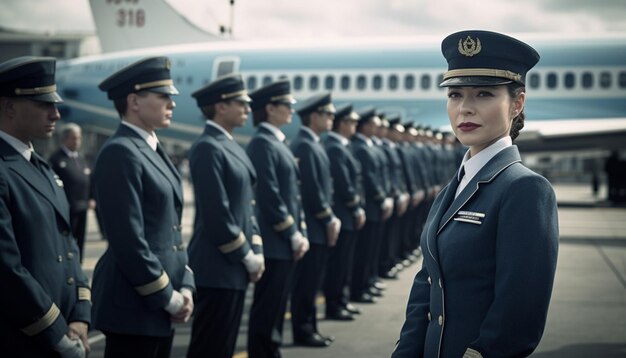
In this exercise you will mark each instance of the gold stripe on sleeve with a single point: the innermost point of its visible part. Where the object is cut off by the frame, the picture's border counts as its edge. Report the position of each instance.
(233, 245)
(257, 240)
(284, 225)
(44, 322)
(154, 286)
(84, 294)
(324, 214)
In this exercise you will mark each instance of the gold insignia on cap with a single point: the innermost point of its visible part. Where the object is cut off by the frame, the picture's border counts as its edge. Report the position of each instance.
(160, 83)
(469, 47)
(168, 64)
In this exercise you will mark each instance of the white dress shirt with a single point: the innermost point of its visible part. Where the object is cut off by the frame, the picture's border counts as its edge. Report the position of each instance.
(472, 165)
(150, 138)
(275, 130)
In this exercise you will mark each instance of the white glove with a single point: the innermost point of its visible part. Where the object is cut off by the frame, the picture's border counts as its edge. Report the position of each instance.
(387, 204)
(70, 348)
(176, 303)
(253, 262)
(298, 240)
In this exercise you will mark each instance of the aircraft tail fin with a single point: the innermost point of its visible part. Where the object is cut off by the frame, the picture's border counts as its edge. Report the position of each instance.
(131, 24)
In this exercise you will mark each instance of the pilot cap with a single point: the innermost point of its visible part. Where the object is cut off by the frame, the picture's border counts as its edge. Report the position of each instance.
(318, 103)
(276, 92)
(346, 112)
(148, 74)
(29, 77)
(484, 58)
(368, 114)
(225, 88)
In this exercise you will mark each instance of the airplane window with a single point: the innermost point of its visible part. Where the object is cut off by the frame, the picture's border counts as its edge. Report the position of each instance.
(345, 82)
(569, 80)
(439, 80)
(361, 82)
(535, 80)
(605, 79)
(551, 80)
(297, 83)
(314, 83)
(377, 82)
(189, 80)
(622, 80)
(409, 82)
(179, 80)
(392, 82)
(251, 83)
(225, 68)
(587, 80)
(425, 82)
(267, 80)
(329, 82)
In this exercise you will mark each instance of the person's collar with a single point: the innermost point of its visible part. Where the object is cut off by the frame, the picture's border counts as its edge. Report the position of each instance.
(339, 137)
(216, 125)
(69, 153)
(150, 138)
(25, 150)
(368, 141)
(310, 131)
(474, 164)
(275, 130)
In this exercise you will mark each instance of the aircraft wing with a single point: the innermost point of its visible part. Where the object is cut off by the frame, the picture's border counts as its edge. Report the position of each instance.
(565, 135)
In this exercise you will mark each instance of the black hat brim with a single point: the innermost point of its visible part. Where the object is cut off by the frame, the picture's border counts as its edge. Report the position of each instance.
(474, 81)
(171, 90)
(51, 97)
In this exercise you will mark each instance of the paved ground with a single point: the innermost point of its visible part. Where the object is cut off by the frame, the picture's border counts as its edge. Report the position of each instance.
(587, 315)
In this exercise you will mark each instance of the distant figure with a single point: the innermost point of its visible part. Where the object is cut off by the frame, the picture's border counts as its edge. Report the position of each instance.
(75, 175)
(612, 174)
(490, 242)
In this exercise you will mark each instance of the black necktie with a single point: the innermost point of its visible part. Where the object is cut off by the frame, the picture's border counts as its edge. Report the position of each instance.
(461, 173)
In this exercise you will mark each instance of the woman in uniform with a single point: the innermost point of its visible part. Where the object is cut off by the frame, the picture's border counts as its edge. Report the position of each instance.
(491, 238)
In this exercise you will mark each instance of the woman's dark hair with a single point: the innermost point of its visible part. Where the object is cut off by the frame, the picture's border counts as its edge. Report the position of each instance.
(515, 89)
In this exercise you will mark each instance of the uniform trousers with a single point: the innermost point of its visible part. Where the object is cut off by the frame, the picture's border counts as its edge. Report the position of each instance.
(134, 346)
(217, 316)
(364, 258)
(267, 314)
(309, 276)
(339, 271)
(390, 242)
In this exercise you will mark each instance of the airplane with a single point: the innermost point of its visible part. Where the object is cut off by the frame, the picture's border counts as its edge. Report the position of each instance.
(576, 94)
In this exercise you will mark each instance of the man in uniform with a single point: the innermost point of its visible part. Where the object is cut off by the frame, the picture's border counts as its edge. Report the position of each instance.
(142, 283)
(75, 174)
(225, 251)
(347, 205)
(280, 216)
(316, 115)
(378, 206)
(46, 310)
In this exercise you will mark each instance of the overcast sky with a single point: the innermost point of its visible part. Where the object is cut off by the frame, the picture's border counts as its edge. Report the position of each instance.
(346, 18)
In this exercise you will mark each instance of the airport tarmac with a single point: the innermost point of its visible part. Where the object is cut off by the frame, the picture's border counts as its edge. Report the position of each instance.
(587, 316)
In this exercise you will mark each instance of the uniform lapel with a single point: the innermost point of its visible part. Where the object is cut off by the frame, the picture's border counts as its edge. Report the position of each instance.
(486, 175)
(162, 164)
(40, 181)
(232, 147)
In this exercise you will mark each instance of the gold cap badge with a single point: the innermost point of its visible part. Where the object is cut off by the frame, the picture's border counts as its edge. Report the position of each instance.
(469, 47)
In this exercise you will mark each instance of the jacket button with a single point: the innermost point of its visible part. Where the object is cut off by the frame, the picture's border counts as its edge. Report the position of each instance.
(430, 282)
(70, 255)
(70, 281)
(60, 258)
(440, 320)
(253, 202)
(429, 316)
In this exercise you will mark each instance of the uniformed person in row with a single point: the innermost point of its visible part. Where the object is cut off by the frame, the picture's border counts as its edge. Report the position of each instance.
(491, 237)
(225, 251)
(392, 233)
(76, 176)
(142, 284)
(279, 213)
(316, 185)
(347, 206)
(377, 206)
(46, 310)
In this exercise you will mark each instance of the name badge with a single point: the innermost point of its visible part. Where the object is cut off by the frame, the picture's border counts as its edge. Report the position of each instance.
(58, 181)
(470, 217)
